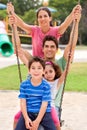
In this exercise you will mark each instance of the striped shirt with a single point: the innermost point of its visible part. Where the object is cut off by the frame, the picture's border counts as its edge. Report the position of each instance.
(35, 95)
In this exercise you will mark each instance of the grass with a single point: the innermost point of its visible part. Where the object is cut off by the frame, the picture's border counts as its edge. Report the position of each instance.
(76, 80)
(81, 47)
(9, 77)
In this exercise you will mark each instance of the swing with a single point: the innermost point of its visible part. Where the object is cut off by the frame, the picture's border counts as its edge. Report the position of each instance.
(18, 63)
(63, 86)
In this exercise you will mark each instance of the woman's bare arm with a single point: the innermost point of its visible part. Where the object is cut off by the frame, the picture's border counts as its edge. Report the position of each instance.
(15, 19)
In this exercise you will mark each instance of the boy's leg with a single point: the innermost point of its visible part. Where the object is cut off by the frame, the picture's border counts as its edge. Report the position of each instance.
(47, 122)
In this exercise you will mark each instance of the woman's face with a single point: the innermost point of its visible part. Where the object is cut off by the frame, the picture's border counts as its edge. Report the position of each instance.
(43, 18)
(49, 73)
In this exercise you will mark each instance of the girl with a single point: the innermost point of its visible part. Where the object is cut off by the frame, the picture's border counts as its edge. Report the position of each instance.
(55, 78)
(44, 28)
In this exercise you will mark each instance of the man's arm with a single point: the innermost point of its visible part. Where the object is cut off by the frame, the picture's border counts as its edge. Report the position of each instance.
(75, 38)
(15, 39)
(23, 54)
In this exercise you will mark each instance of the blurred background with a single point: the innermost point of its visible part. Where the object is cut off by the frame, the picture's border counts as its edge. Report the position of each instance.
(26, 9)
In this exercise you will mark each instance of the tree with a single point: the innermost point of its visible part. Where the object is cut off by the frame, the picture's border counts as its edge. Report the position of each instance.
(28, 16)
(83, 24)
(64, 7)
(26, 9)
(21, 6)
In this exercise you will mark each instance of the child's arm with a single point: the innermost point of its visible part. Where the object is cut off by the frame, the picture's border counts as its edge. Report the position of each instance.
(62, 77)
(40, 115)
(62, 28)
(28, 121)
(16, 19)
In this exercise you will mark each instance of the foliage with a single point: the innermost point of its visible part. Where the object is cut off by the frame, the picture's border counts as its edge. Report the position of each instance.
(26, 40)
(3, 14)
(26, 9)
(83, 25)
(64, 7)
(28, 16)
(21, 6)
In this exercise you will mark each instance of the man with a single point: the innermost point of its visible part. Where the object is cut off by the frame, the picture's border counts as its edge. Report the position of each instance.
(50, 47)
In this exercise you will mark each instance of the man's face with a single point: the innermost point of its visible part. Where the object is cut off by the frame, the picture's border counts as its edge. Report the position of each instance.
(49, 50)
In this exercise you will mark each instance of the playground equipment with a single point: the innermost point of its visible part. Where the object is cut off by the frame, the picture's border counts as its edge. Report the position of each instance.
(6, 47)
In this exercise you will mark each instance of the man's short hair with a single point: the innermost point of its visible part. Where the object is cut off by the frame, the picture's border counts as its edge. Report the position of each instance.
(50, 38)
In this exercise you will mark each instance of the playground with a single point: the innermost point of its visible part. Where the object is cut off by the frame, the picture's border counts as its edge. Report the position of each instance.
(74, 106)
(74, 110)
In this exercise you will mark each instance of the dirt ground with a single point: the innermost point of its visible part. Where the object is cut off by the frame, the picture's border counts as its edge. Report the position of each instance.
(74, 110)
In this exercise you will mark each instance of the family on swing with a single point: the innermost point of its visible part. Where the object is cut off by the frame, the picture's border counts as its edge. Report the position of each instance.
(40, 93)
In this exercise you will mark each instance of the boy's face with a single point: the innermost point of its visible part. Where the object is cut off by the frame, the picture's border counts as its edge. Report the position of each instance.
(49, 50)
(36, 70)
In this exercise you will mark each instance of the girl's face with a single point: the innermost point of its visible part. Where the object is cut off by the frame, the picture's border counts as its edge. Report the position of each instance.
(49, 73)
(36, 70)
(43, 18)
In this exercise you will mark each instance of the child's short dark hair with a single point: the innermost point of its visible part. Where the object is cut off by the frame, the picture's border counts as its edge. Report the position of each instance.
(50, 38)
(36, 59)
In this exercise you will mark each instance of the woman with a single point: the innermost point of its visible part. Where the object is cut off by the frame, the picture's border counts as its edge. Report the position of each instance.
(44, 28)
